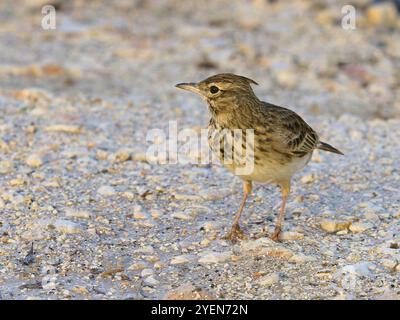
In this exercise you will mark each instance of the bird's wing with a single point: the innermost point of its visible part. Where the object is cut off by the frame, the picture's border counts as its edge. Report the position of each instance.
(291, 134)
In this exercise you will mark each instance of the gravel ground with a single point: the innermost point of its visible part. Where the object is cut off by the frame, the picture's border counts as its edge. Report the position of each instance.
(77, 104)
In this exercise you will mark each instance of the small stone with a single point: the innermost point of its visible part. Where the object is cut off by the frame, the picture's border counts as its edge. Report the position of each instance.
(291, 235)
(371, 216)
(324, 274)
(53, 183)
(256, 245)
(80, 214)
(359, 227)
(145, 250)
(307, 179)
(139, 157)
(151, 281)
(205, 242)
(120, 156)
(101, 155)
(301, 258)
(63, 128)
(66, 226)
(159, 265)
(128, 195)
(155, 214)
(147, 272)
(106, 191)
(6, 167)
(137, 266)
(269, 279)
(182, 259)
(389, 263)
(286, 78)
(49, 282)
(80, 290)
(4, 146)
(382, 14)
(35, 232)
(152, 259)
(370, 211)
(189, 292)
(140, 213)
(195, 210)
(334, 226)
(214, 257)
(359, 269)
(17, 182)
(181, 215)
(34, 161)
(47, 270)
(313, 197)
(211, 226)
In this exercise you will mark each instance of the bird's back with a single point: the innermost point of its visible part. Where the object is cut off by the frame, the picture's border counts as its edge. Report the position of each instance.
(290, 134)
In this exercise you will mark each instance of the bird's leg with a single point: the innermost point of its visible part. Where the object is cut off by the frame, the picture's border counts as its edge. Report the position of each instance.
(285, 187)
(236, 232)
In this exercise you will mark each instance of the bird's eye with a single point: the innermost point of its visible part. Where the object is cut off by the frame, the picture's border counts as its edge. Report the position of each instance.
(214, 89)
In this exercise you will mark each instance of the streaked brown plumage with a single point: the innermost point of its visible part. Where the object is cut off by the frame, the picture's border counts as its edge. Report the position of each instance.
(283, 141)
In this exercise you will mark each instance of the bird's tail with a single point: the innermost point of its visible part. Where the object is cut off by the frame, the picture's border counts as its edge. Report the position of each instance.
(327, 147)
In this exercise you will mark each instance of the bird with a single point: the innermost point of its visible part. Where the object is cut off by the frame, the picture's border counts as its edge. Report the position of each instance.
(280, 143)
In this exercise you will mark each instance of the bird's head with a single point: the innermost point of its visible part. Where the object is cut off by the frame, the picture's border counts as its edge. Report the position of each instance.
(223, 91)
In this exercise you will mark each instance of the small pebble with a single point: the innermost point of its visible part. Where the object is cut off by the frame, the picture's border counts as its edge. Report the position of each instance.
(269, 279)
(34, 161)
(334, 226)
(359, 227)
(214, 257)
(106, 191)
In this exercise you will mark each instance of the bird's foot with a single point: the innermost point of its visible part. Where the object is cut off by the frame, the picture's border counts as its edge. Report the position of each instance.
(276, 234)
(235, 234)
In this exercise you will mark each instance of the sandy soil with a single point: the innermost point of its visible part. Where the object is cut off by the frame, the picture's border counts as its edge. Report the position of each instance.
(77, 104)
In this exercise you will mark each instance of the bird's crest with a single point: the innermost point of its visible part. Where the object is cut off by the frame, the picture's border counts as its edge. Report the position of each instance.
(229, 78)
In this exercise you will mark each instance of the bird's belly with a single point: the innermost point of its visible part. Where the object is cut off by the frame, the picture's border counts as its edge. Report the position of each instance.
(270, 171)
(264, 166)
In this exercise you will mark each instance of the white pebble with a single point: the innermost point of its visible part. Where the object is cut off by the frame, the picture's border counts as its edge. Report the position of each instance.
(359, 227)
(73, 213)
(65, 226)
(34, 161)
(269, 279)
(181, 215)
(151, 281)
(291, 235)
(147, 272)
(214, 257)
(106, 191)
(182, 259)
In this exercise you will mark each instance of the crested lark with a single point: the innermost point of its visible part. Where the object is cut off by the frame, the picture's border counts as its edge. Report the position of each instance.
(282, 142)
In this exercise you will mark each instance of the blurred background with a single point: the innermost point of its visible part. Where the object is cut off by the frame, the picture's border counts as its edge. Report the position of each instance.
(137, 50)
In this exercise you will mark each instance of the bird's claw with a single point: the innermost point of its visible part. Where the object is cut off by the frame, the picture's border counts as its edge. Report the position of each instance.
(276, 234)
(235, 234)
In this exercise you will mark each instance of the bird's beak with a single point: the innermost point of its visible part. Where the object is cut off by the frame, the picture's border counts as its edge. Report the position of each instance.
(189, 87)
